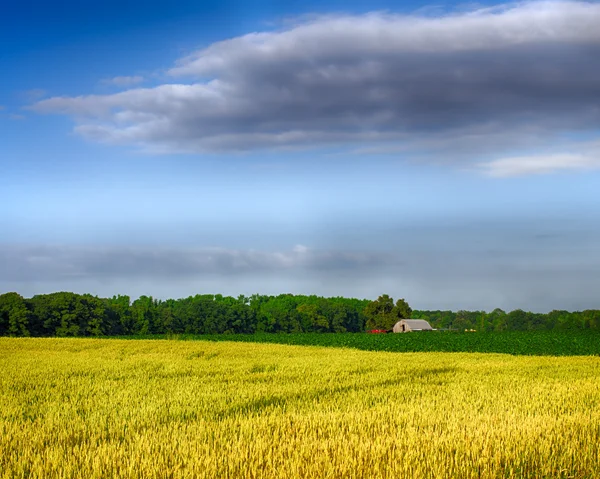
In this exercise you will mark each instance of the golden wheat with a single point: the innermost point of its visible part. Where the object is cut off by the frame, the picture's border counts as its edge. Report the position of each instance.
(83, 408)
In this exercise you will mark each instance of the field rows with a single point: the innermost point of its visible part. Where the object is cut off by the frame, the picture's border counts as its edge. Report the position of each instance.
(534, 343)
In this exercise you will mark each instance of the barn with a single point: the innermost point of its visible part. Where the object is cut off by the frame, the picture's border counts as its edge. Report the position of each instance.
(408, 325)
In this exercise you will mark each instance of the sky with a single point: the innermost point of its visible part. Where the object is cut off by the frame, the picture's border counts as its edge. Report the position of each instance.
(446, 153)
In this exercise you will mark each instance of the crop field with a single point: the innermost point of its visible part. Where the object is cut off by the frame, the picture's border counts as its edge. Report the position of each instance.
(99, 408)
(536, 343)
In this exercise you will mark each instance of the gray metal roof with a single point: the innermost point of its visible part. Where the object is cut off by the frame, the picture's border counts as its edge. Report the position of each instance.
(417, 324)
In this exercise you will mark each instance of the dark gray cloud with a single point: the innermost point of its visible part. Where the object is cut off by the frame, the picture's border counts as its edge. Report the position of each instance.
(370, 80)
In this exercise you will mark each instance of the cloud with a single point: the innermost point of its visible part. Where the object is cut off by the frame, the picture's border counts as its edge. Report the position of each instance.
(373, 80)
(34, 94)
(525, 165)
(123, 81)
(538, 268)
(300, 249)
(12, 116)
(585, 157)
(57, 263)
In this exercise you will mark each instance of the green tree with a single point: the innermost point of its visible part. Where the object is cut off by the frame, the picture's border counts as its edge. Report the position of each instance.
(379, 313)
(560, 319)
(497, 320)
(590, 319)
(14, 315)
(467, 319)
(144, 315)
(516, 320)
(118, 315)
(312, 319)
(402, 310)
(342, 319)
(383, 313)
(93, 318)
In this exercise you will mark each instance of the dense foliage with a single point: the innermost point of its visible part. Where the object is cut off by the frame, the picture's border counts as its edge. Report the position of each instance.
(517, 320)
(70, 314)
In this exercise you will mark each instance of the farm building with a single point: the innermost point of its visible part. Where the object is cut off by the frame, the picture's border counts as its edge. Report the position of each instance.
(408, 325)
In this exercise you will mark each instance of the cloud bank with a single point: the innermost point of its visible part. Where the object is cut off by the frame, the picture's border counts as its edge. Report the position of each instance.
(538, 272)
(528, 70)
(59, 263)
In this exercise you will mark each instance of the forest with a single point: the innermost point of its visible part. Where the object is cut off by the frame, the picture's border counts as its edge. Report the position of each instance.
(70, 314)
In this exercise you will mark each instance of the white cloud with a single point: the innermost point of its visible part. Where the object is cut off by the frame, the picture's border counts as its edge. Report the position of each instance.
(540, 164)
(475, 82)
(575, 157)
(376, 34)
(123, 81)
(300, 249)
(34, 94)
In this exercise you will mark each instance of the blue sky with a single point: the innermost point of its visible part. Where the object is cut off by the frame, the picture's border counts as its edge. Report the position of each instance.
(446, 153)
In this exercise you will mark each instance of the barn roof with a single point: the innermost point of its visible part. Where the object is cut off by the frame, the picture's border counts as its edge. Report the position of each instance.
(417, 324)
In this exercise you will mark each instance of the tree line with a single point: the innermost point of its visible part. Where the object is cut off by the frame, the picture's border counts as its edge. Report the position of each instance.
(71, 314)
(516, 320)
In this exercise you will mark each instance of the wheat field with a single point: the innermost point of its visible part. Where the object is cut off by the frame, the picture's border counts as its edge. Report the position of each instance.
(98, 408)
